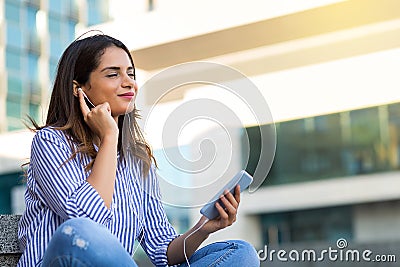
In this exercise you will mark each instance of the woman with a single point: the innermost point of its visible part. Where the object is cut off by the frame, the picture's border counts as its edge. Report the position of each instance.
(90, 194)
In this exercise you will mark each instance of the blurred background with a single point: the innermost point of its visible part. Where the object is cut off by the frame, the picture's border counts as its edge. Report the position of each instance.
(328, 70)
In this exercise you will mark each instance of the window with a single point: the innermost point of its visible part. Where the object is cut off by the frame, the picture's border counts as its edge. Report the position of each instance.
(33, 67)
(12, 11)
(393, 141)
(97, 11)
(62, 32)
(55, 27)
(15, 88)
(56, 6)
(333, 145)
(31, 18)
(72, 10)
(13, 108)
(34, 111)
(314, 225)
(14, 36)
(71, 30)
(13, 60)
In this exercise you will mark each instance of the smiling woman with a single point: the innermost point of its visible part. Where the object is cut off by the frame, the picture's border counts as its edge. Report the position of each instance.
(113, 81)
(89, 198)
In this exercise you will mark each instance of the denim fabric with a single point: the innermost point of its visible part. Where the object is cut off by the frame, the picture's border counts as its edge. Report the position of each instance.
(82, 242)
(232, 253)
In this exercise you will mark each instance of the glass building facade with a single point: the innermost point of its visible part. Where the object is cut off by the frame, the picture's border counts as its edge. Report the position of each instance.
(314, 225)
(22, 50)
(337, 145)
(340, 145)
(34, 35)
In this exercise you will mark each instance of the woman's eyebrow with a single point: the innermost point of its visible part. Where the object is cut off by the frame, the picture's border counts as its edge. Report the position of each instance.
(114, 68)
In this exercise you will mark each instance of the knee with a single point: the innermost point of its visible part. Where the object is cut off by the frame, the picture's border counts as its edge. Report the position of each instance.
(77, 227)
(82, 224)
(70, 228)
(79, 222)
(247, 253)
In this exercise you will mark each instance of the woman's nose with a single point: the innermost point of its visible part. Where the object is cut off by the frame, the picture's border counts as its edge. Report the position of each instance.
(128, 81)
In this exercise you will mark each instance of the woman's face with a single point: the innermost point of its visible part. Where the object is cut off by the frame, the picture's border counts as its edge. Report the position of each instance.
(113, 82)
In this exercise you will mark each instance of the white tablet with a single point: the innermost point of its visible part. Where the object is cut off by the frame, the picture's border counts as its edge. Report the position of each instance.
(242, 178)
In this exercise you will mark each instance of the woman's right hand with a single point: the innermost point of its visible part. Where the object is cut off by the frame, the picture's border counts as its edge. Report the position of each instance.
(99, 119)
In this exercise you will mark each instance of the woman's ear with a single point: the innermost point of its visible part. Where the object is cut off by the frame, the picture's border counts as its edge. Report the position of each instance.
(75, 86)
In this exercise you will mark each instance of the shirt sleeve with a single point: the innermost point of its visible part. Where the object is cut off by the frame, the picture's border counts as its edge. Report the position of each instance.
(61, 183)
(158, 232)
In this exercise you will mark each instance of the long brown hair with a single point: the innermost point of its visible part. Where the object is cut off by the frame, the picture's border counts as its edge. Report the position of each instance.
(76, 64)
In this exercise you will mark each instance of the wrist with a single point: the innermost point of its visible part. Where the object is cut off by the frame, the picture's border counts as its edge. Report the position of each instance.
(110, 138)
(202, 230)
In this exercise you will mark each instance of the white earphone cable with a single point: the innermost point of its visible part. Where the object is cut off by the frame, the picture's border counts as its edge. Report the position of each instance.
(184, 240)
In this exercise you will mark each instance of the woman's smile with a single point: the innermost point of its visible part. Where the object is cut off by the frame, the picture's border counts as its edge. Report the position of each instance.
(128, 95)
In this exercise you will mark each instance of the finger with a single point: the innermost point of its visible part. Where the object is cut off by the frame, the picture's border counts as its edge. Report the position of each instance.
(84, 107)
(107, 107)
(226, 218)
(232, 200)
(222, 213)
(229, 206)
(237, 194)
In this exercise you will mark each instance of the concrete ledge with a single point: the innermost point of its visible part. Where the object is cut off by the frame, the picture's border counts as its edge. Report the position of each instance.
(9, 245)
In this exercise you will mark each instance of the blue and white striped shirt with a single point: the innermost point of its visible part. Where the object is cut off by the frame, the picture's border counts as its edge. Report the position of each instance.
(57, 190)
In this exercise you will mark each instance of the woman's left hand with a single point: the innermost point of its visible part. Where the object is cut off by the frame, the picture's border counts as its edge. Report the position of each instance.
(227, 215)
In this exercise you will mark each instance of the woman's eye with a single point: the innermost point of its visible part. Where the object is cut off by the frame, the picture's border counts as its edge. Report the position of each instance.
(112, 75)
(131, 75)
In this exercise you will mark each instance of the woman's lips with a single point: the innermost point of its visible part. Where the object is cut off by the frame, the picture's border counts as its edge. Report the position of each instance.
(128, 95)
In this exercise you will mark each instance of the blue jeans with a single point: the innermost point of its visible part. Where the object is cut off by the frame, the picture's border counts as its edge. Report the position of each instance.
(232, 253)
(82, 242)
